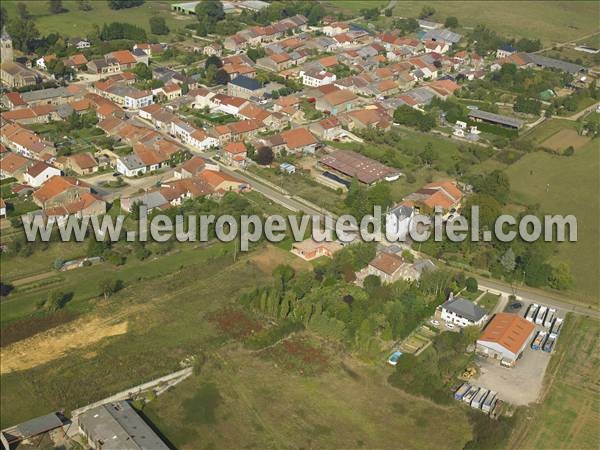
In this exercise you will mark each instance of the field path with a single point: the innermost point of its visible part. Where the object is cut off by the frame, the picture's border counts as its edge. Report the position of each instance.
(32, 278)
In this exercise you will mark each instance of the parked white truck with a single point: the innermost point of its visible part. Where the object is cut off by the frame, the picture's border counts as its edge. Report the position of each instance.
(549, 318)
(541, 315)
(531, 312)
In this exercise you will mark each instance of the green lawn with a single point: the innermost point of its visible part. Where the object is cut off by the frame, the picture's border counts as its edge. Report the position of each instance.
(79, 23)
(570, 414)
(488, 301)
(566, 185)
(550, 22)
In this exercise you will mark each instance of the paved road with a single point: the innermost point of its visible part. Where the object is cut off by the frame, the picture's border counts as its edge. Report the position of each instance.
(583, 112)
(538, 296)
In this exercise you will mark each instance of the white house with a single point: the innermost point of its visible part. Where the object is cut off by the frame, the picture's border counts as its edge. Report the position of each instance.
(130, 165)
(137, 99)
(200, 140)
(2, 208)
(462, 312)
(398, 220)
(39, 173)
(315, 78)
(182, 130)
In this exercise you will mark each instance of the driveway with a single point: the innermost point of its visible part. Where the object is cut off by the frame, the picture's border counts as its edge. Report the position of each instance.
(519, 385)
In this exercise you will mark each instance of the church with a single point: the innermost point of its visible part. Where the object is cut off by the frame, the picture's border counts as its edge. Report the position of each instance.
(13, 74)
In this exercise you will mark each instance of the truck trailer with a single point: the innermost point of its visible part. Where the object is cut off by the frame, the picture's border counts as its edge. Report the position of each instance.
(538, 341)
(479, 398)
(461, 391)
(555, 331)
(489, 403)
(469, 395)
(549, 344)
(541, 315)
(549, 318)
(531, 312)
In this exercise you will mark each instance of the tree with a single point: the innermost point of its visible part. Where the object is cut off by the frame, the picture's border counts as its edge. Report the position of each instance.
(122, 4)
(55, 6)
(283, 274)
(158, 25)
(471, 284)
(315, 14)
(489, 210)
(255, 52)
(388, 12)
(84, 5)
(3, 17)
(142, 71)
(508, 261)
(264, 156)
(56, 301)
(222, 77)
(22, 11)
(213, 60)
(369, 13)
(211, 11)
(110, 287)
(426, 12)
(451, 22)
(371, 283)
(561, 277)
(24, 34)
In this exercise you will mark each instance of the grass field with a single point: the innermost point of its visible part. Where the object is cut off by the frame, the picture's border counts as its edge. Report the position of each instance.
(565, 138)
(566, 185)
(261, 405)
(569, 417)
(79, 23)
(352, 7)
(550, 22)
(164, 310)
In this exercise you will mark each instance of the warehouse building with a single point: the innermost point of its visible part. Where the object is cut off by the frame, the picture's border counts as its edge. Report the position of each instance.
(505, 338)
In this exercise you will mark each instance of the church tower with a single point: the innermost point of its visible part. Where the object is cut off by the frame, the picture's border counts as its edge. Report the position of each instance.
(6, 46)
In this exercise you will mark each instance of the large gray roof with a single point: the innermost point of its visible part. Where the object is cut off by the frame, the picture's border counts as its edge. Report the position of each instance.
(442, 35)
(503, 120)
(551, 63)
(120, 427)
(464, 308)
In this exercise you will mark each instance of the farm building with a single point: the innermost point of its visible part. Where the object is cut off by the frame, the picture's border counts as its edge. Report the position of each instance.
(351, 164)
(505, 337)
(495, 119)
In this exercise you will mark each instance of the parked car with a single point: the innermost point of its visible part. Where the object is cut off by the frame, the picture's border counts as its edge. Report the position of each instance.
(450, 326)
(515, 306)
(434, 322)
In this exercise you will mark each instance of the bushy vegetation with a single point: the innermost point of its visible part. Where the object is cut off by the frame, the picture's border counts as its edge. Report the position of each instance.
(432, 373)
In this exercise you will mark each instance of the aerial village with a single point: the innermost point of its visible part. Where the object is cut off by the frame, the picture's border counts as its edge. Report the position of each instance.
(253, 112)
